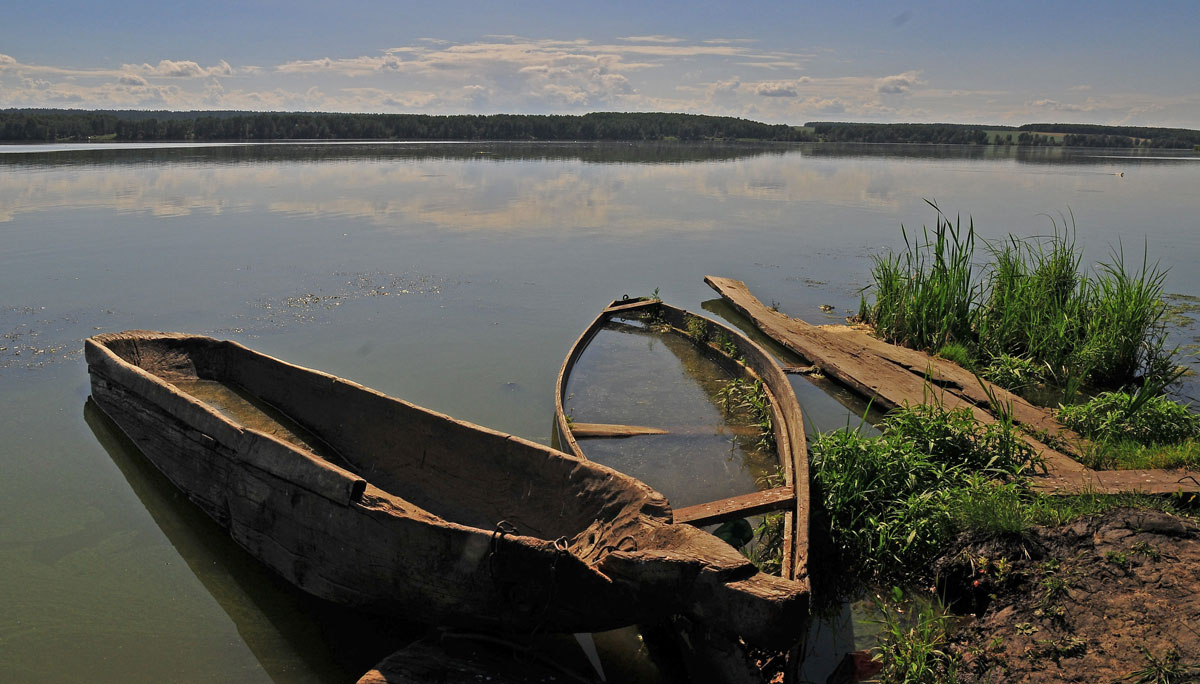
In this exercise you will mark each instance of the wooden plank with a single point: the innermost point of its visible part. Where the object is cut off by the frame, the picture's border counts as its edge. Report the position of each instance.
(1161, 481)
(611, 430)
(754, 503)
(605, 430)
(894, 376)
(621, 305)
(852, 360)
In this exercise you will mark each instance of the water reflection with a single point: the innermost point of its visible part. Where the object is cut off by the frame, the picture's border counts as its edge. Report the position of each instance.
(298, 638)
(824, 404)
(492, 186)
(35, 156)
(631, 375)
(294, 636)
(433, 272)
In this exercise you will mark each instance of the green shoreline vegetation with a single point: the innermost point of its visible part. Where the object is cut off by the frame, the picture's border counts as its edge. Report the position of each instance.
(898, 506)
(1034, 321)
(895, 506)
(70, 125)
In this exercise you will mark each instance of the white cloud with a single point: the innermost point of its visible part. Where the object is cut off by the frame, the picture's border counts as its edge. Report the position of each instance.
(517, 74)
(724, 87)
(776, 90)
(781, 88)
(173, 69)
(1057, 106)
(898, 84)
(169, 68)
(651, 39)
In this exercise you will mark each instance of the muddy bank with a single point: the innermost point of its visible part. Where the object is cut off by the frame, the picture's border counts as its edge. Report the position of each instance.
(1095, 601)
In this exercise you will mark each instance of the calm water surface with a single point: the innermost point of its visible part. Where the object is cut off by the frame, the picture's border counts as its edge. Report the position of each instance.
(455, 276)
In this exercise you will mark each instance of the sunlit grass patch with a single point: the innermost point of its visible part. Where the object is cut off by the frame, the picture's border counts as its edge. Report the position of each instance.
(1129, 455)
(895, 500)
(1123, 417)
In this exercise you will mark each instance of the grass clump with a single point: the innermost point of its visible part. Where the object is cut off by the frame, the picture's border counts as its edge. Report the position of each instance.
(925, 295)
(958, 353)
(1135, 431)
(1121, 416)
(751, 400)
(1013, 373)
(1133, 456)
(767, 551)
(894, 501)
(1031, 311)
(1165, 669)
(913, 644)
(697, 329)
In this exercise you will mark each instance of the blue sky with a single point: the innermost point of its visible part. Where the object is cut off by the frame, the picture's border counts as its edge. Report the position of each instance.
(974, 62)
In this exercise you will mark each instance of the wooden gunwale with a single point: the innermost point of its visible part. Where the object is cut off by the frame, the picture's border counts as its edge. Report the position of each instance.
(893, 376)
(793, 496)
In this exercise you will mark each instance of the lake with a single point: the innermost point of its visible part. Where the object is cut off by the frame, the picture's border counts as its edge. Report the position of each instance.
(455, 276)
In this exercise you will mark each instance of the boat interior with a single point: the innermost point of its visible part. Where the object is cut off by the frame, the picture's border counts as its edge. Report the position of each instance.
(459, 472)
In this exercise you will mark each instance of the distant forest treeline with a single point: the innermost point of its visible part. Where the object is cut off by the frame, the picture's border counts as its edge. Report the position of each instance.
(60, 125)
(50, 125)
(1070, 135)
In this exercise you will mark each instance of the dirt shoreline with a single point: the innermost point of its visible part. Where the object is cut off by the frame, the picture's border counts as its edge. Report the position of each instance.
(1099, 600)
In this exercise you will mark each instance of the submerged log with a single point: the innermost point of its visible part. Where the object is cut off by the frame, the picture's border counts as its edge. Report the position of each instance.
(893, 376)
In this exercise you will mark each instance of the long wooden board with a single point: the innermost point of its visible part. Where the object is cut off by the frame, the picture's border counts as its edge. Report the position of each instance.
(894, 376)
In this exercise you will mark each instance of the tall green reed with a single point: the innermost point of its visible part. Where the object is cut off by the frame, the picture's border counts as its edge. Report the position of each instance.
(925, 294)
(1032, 301)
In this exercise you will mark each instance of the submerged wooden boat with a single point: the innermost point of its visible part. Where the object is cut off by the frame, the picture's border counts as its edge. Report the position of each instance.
(743, 359)
(373, 502)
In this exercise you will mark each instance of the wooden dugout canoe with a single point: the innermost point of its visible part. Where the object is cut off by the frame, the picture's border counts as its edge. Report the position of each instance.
(376, 503)
(754, 363)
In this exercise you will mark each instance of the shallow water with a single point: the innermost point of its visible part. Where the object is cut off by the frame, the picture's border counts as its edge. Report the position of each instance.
(455, 276)
(632, 375)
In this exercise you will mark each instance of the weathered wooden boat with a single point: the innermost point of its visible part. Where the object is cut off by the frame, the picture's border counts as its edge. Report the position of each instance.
(742, 358)
(379, 504)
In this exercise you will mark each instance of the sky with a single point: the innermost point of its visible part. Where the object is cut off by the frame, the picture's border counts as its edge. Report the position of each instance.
(1009, 63)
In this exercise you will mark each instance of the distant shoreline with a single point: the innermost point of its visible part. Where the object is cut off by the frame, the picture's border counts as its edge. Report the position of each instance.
(80, 126)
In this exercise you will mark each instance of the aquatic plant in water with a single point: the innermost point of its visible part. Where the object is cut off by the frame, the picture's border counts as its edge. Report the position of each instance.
(750, 399)
(1031, 301)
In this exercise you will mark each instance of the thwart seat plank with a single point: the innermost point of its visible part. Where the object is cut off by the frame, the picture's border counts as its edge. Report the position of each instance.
(600, 430)
(754, 503)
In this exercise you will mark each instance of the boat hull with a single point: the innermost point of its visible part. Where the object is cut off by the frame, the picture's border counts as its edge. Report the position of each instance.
(379, 504)
(336, 536)
(748, 361)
